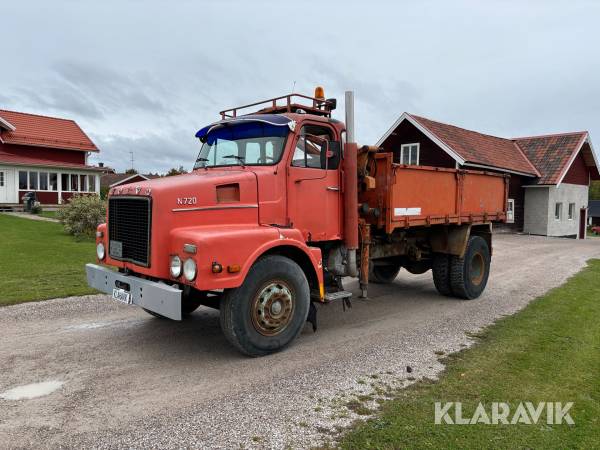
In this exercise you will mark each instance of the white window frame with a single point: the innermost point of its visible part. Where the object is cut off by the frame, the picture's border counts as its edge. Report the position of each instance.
(558, 217)
(409, 147)
(511, 201)
(571, 214)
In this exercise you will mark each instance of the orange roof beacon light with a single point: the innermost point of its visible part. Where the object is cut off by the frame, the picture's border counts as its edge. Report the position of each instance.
(320, 93)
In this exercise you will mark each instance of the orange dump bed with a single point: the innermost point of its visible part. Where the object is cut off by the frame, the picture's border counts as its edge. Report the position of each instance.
(411, 196)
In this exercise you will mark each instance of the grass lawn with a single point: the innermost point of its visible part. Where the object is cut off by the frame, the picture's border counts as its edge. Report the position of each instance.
(549, 352)
(39, 261)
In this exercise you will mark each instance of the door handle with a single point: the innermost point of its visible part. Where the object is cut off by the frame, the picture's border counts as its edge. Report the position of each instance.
(333, 188)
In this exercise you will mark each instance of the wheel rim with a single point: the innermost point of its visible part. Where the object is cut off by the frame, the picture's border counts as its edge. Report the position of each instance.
(272, 308)
(477, 269)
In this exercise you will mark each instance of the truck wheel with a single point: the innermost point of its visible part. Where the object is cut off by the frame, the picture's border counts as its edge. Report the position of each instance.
(383, 274)
(441, 273)
(269, 310)
(469, 274)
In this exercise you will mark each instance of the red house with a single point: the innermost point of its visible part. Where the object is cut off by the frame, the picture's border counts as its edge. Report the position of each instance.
(44, 154)
(549, 175)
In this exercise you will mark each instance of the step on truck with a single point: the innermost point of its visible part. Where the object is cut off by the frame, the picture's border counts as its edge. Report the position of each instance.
(281, 208)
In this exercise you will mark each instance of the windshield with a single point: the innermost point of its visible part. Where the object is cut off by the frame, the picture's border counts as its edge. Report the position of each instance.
(246, 144)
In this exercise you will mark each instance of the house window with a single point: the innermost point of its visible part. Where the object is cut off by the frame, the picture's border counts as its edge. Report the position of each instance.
(64, 180)
(558, 211)
(92, 183)
(510, 211)
(53, 185)
(22, 180)
(1, 179)
(33, 181)
(74, 183)
(409, 154)
(83, 183)
(571, 211)
(43, 181)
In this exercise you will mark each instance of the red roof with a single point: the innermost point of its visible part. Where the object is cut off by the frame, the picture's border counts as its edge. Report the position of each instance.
(28, 161)
(43, 131)
(551, 154)
(478, 148)
(546, 158)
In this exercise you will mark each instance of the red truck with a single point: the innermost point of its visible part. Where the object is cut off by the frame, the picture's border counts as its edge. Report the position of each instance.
(281, 206)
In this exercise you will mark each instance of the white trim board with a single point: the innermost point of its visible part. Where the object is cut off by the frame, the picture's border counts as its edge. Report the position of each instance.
(7, 125)
(572, 159)
(482, 166)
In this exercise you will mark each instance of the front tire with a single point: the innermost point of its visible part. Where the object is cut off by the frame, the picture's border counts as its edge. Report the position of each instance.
(469, 274)
(268, 311)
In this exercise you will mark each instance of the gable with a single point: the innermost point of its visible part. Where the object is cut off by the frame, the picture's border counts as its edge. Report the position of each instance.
(430, 154)
(469, 148)
(554, 155)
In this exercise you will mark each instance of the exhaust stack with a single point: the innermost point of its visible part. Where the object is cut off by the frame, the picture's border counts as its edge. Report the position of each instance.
(350, 187)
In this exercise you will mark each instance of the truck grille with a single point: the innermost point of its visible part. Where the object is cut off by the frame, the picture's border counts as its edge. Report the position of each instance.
(129, 221)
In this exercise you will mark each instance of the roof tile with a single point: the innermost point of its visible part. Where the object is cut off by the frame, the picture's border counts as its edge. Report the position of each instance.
(44, 131)
(551, 153)
(478, 148)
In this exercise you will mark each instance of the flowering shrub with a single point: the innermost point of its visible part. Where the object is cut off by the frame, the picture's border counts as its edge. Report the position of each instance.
(82, 214)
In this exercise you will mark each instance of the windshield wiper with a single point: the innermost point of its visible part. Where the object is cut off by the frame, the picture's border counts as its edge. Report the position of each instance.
(239, 158)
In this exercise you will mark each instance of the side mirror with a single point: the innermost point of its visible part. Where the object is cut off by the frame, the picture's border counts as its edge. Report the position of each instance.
(334, 154)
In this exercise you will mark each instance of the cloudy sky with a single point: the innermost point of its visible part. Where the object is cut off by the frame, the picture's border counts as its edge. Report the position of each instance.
(144, 76)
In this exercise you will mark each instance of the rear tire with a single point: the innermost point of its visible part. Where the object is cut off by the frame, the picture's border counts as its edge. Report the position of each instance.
(268, 311)
(384, 274)
(469, 274)
(441, 273)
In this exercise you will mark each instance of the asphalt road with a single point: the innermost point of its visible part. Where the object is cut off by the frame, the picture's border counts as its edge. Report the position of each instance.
(131, 380)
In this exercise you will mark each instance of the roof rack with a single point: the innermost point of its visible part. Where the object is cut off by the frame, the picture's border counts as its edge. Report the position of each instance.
(285, 103)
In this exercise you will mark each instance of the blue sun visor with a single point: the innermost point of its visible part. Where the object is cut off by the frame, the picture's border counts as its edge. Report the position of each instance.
(244, 127)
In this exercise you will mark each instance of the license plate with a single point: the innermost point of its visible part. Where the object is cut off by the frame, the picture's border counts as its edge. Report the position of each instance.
(121, 295)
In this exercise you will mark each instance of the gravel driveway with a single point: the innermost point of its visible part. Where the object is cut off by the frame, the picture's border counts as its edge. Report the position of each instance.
(131, 380)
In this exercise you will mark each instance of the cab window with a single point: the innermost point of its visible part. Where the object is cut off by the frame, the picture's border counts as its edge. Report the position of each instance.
(311, 146)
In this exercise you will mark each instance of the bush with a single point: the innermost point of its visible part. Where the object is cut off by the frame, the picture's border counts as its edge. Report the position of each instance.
(82, 214)
(36, 208)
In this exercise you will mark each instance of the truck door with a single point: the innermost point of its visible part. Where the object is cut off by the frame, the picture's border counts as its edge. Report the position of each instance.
(314, 184)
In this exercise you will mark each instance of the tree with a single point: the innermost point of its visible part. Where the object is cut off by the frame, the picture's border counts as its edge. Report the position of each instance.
(175, 171)
(595, 190)
(131, 171)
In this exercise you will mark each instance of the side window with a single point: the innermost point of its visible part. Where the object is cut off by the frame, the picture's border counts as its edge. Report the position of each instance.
(409, 154)
(311, 146)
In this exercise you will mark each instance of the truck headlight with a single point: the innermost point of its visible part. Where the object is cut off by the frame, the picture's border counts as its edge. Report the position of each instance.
(175, 266)
(100, 252)
(189, 269)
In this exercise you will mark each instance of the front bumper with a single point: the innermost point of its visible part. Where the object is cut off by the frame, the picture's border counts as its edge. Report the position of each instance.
(157, 297)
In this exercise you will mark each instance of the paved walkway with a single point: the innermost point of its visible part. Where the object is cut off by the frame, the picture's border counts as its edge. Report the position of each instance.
(30, 216)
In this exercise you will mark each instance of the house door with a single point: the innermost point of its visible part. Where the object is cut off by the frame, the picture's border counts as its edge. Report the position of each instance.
(7, 186)
(510, 211)
(582, 222)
